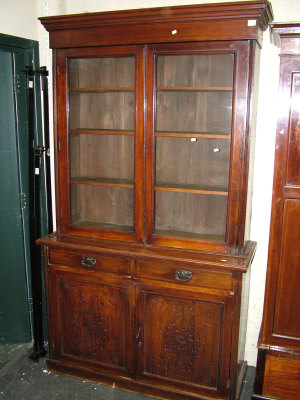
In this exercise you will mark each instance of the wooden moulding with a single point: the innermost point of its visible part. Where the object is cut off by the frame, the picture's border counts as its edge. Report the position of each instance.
(287, 37)
(216, 261)
(220, 21)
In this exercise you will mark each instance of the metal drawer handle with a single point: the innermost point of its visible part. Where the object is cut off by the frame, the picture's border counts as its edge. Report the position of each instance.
(183, 275)
(88, 261)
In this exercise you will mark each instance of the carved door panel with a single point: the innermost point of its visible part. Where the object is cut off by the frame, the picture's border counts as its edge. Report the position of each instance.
(88, 320)
(184, 338)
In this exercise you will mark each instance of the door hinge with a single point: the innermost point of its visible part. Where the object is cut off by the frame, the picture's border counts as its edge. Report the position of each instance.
(30, 304)
(23, 200)
(228, 384)
(17, 84)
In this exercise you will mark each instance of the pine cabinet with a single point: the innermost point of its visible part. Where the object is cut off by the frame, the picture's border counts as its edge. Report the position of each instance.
(147, 275)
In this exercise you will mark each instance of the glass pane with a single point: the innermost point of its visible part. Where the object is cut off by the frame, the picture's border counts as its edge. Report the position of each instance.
(102, 111)
(197, 112)
(192, 147)
(198, 70)
(108, 72)
(102, 207)
(190, 214)
(192, 161)
(101, 141)
(102, 156)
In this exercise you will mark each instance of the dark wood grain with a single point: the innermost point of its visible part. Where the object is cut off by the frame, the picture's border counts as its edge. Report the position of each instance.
(227, 21)
(152, 145)
(179, 336)
(103, 262)
(90, 324)
(279, 343)
(282, 378)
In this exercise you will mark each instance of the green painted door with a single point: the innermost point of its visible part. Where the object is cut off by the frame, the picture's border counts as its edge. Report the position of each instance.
(14, 311)
(15, 280)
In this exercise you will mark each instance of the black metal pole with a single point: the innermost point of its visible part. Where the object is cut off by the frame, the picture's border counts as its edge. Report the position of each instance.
(44, 75)
(34, 224)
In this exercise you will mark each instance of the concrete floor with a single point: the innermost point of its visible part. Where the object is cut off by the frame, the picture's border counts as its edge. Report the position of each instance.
(23, 379)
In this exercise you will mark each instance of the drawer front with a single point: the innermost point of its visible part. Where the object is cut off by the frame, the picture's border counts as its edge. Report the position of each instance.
(281, 378)
(185, 274)
(92, 261)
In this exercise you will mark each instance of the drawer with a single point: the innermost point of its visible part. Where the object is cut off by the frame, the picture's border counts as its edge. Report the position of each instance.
(175, 272)
(281, 378)
(91, 261)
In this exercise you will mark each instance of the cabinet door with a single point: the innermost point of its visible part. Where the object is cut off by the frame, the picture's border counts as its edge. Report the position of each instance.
(88, 321)
(195, 136)
(184, 339)
(100, 139)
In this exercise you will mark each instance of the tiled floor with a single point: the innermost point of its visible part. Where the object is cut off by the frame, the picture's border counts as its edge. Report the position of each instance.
(23, 379)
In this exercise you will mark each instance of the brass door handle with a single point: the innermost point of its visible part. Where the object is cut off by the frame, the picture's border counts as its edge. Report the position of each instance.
(183, 275)
(88, 261)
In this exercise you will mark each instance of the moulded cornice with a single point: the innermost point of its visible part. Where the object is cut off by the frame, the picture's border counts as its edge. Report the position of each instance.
(261, 11)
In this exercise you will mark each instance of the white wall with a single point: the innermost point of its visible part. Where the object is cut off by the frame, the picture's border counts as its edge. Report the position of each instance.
(18, 17)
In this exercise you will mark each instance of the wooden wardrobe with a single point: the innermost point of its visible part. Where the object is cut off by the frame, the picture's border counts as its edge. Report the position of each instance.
(278, 363)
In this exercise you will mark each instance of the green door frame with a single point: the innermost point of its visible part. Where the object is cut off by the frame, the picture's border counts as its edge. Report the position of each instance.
(27, 50)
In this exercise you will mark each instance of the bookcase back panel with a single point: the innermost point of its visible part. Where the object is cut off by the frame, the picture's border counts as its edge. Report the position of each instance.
(102, 206)
(195, 70)
(114, 110)
(102, 156)
(193, 161)
(192, 111)
(190, 213)
(101, 72)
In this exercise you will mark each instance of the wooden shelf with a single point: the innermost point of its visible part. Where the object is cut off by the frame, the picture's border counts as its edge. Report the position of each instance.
(101, 89)
(194, 88)
(198, 135)
(101, 132)
(189, 235)
(103, 225)
(174, 187)
(98, 181)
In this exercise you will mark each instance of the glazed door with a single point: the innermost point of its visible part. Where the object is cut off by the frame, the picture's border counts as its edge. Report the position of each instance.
(184, 339)
(100, 141)
(195, 135)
